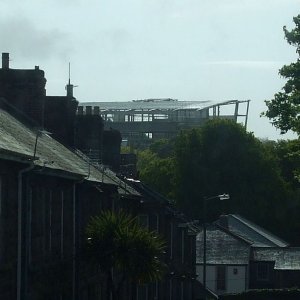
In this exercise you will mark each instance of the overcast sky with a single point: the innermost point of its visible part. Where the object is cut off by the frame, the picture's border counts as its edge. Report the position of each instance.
(133, 49)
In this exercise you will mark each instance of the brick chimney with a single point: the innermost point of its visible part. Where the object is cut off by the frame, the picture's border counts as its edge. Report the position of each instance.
(5, 60)
(223, 221)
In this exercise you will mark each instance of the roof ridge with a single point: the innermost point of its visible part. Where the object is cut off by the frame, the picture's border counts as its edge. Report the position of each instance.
(264, 232)
(234, 234)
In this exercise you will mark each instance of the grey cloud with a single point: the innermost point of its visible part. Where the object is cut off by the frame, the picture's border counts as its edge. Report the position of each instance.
(45, 2)
(23, 38)
(246, 63)
(117, 40)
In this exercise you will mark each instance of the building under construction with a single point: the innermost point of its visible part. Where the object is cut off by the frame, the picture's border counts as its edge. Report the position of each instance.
(139, 120)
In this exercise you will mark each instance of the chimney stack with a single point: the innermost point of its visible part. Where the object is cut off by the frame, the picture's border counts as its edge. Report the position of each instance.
(69, 88)
(5, 60)
(223, 221)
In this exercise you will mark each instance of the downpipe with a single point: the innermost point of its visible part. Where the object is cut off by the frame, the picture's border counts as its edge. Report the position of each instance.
(20, 287)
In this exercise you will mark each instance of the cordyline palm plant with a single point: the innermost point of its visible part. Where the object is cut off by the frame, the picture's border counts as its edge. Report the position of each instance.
(115, 242)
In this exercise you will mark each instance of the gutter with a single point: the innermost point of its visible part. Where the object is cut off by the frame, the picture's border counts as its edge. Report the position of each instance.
(74, 264)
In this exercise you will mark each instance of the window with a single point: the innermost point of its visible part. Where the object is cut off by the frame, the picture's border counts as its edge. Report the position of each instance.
(3, 195)
(29, 225)
(38, 221)
(156, 290)
(181, 290)
(142, 292)
(263, 271)
(157, 223)
(143, 220)
(62, 226)
(221, 278)
(49, 229)
(171, 240)
(0, 196)
(182, 245)
(171, 289)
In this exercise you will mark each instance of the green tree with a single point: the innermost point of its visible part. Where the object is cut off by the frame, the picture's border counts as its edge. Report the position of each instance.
(163, 148)
(156, 166)
(287, 153)
(284, 109)
(157, 172)
(123, 250)
(222, 157)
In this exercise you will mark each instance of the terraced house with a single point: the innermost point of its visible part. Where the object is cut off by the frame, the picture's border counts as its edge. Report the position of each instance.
(51, 184)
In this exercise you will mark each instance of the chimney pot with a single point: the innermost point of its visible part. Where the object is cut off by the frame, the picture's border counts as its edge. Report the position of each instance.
(88, 110)
(80, 110)
(223, 221)
(96, 110)
(5, 60)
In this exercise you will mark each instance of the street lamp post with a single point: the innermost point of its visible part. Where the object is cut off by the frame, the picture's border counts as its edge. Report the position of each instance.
(205, 199)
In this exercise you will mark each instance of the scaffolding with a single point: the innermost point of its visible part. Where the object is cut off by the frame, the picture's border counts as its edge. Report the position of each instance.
(139, 120)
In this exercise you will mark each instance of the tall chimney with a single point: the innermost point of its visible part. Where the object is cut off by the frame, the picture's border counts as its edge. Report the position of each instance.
(223, 221)
(69, 88)
(5, 60)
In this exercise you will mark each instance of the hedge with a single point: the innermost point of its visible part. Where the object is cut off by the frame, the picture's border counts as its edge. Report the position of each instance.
(286, 294)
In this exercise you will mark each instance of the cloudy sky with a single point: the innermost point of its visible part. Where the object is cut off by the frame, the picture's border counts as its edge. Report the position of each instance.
(133, 49)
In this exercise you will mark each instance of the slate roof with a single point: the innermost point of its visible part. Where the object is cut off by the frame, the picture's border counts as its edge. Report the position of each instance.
(17, 142)
(285, 258)
(241, 241)
(222, 247)
(258, 236)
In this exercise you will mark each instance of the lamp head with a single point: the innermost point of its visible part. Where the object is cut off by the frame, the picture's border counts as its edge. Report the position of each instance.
(224, 196)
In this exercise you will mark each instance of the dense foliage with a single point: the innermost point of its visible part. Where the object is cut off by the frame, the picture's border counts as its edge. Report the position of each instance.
(287, 294)
(119, 246)
(284, 109)
(222, 157)
(287, 154)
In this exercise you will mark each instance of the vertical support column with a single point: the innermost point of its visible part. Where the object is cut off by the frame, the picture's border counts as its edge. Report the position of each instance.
(246, 121)
(236, 111)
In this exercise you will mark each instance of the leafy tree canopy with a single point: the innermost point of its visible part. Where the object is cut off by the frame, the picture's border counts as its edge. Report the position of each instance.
(222, 157)
(157, 172)
(287, 154)
(284, 109)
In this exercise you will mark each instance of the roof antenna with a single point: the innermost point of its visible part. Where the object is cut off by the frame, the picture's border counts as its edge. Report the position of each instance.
(69, 86)
(69, 72)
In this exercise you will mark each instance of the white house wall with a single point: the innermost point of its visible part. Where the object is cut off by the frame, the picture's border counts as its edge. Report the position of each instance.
(236, 281)
(210, 276)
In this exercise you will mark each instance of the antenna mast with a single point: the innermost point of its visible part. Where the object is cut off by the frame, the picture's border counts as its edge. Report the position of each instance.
(69, 73)
(69, 86)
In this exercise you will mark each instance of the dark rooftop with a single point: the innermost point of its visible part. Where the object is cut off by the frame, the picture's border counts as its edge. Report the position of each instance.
(258, 236)
(18, 142)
